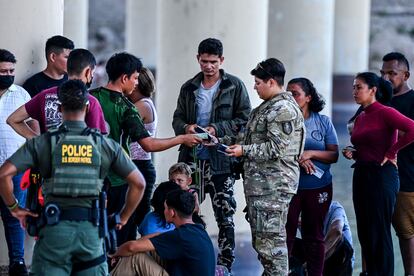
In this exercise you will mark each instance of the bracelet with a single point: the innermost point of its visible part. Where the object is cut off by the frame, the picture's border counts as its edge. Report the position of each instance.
(14, 205)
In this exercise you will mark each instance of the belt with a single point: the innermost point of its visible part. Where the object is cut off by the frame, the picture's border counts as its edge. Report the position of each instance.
(52, 214)
(78, 214)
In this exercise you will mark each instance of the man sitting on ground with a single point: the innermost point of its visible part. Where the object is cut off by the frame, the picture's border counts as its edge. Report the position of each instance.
(186, 250)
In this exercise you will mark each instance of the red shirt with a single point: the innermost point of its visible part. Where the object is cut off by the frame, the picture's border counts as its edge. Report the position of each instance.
(44, 108)
(375, 133)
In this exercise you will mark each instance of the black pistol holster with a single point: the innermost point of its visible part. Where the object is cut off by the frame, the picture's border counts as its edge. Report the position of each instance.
(107, 227)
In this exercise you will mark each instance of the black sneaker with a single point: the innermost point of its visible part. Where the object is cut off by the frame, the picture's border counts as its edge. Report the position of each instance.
(18, 269)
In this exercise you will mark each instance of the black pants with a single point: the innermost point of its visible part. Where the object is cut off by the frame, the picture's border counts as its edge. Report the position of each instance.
(148, 171)
(116, 200)
(338, 264)
(375, 190)
(221, 190)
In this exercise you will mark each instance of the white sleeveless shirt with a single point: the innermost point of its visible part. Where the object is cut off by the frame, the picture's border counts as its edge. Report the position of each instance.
(137, 152)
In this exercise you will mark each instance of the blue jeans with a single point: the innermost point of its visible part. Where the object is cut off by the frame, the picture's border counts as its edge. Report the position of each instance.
(13, 231)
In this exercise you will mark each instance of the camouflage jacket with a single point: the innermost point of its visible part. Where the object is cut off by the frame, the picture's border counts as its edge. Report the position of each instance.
(273, 141)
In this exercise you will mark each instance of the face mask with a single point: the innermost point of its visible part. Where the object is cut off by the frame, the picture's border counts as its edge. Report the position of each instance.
(6, 81)
(89, 83)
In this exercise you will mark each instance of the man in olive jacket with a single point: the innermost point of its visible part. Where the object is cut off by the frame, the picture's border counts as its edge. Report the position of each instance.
(219, 103)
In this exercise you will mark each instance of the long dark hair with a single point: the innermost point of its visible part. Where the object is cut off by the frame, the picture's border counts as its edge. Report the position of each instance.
(317, 102)
(384, 87)
(159, 197)
(384, 90)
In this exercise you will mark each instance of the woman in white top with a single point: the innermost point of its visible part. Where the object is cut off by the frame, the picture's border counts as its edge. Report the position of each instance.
(141, 97)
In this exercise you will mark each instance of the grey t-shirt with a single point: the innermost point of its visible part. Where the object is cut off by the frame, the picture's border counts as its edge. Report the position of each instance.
(204, 103)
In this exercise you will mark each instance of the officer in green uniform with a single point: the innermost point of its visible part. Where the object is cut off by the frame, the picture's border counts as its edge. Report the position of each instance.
(73, 161)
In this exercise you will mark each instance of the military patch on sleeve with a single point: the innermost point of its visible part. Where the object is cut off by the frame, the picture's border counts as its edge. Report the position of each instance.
(287, 127)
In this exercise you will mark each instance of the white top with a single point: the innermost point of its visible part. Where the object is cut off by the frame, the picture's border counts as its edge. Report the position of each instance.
(137, 152)
(14, 97)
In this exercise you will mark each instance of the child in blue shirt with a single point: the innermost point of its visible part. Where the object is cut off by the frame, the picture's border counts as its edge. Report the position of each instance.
(154, 222)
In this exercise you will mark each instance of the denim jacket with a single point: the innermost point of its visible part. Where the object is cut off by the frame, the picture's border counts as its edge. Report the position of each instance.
(230, 112)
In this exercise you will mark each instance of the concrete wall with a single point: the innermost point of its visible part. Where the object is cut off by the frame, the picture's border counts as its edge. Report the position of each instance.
(141, 30)
(300, 34)
(351, 45)
(75, 26)
(25, 29)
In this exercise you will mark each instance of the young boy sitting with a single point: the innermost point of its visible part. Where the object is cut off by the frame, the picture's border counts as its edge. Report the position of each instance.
(186, 250)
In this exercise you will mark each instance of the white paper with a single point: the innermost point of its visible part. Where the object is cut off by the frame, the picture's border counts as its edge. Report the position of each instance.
(318, 172)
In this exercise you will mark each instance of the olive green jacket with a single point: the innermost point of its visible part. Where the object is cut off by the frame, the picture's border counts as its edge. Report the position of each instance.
(229, 114)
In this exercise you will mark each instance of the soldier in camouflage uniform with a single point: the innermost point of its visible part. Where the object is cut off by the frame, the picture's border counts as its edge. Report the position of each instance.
(271, 145)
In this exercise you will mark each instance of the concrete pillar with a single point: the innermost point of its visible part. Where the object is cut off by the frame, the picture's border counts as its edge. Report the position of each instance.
(25, 27)
(351, 45)
(141, 30)
(244, 42)
(75, 24)
(301, 36)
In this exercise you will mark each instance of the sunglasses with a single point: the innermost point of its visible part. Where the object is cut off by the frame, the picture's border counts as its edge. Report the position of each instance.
(259, 66)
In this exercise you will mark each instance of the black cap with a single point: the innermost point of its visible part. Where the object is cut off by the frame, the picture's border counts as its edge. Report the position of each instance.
(73, 95)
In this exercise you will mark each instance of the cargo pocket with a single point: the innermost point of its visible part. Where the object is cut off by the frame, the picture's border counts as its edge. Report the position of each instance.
(56, 242)
(268, 219)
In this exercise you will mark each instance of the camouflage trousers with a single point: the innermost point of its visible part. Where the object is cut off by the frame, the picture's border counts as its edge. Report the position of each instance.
(267, 217)
(220, 188)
